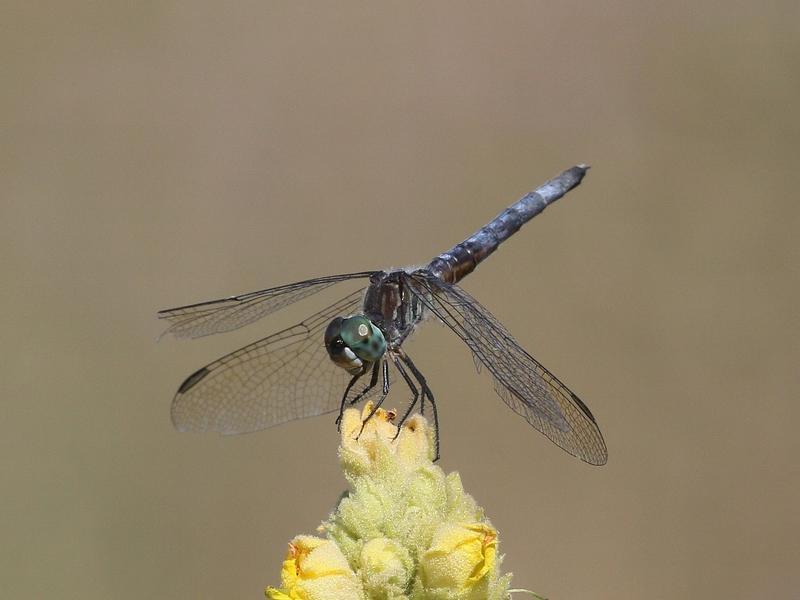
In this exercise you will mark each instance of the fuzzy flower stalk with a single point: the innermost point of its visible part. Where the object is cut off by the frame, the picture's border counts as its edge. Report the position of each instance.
(405, 530)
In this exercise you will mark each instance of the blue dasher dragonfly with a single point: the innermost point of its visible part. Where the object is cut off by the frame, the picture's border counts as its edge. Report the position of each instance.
(337, 356)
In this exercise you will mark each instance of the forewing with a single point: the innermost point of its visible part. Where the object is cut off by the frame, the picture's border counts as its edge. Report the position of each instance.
(283, 377)
(226, 314)
(525, 386)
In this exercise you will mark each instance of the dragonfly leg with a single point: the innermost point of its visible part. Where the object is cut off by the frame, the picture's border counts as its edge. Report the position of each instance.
(373, 380)
(372, 383)
(414, 392)
(426, 391)
(344, 399)
(384, 393)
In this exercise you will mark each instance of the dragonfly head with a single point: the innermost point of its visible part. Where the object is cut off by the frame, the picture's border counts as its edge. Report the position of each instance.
(353, 343)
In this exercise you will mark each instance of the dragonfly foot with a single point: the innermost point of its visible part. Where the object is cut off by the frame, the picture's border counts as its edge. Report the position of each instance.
(392, 414)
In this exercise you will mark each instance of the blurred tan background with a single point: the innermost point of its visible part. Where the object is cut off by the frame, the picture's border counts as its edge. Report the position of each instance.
(157, 154)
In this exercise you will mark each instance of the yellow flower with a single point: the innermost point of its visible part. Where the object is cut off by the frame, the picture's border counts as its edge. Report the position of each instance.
(315, 569)
(460, 556)
(405, 530)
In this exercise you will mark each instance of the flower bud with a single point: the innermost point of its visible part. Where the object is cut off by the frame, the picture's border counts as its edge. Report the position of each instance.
(315, 569)
(459, 557)
(373, 444)
(386, 568)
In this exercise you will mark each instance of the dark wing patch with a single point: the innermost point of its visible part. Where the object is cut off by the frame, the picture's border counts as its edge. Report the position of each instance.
(193, 379)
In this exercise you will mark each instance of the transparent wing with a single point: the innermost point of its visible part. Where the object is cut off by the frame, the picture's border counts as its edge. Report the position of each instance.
(283, 377)
(226, 314)
(525, 386)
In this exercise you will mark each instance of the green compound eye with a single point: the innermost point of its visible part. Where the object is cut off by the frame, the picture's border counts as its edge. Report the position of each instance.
(356, 329)
(363, 338)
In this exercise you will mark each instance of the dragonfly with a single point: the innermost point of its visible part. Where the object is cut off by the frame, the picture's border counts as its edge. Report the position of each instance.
(343, 353)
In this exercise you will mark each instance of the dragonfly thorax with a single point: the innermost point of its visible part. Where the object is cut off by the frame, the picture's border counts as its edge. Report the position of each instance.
(354, 343)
